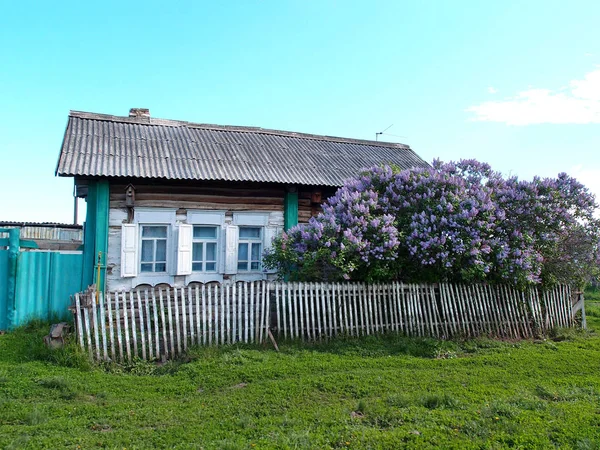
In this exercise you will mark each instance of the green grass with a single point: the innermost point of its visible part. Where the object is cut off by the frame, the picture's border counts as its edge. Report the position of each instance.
(592, 294)
(387, 392)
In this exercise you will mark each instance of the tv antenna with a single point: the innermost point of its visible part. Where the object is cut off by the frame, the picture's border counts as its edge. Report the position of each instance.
(381, 132)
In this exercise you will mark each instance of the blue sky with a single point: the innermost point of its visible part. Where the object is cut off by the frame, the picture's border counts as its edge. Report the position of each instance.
(512, 83)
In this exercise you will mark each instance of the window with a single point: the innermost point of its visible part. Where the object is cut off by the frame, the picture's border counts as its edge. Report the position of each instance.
(154, 249)
(204, 249)
(249, 249)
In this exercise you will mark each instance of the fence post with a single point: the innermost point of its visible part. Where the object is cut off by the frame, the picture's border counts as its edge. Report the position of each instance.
(11, 288)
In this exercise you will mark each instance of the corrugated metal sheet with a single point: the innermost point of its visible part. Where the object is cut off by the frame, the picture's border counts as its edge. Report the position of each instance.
(52, 233)
(3, 289)
(103, 145)
(45, 282)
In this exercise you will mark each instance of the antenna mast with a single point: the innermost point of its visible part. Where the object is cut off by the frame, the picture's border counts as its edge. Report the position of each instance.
(381, 132)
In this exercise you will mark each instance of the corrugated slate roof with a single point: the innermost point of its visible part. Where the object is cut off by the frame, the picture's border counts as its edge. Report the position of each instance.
(104, 145)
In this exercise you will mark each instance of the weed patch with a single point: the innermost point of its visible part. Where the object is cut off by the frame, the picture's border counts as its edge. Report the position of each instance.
(434, 401)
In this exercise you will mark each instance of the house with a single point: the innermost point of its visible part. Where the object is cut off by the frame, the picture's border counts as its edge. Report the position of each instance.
(177, 202)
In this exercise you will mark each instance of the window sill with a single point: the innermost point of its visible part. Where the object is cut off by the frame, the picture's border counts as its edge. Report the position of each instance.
(153, 280)
(250, 276)
(204, 277)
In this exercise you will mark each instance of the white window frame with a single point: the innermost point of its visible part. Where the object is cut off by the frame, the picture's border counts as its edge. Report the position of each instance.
(251, 242)
(208, 218)
(252, 219)
(141, 240)
(204, 242)
(156, 216)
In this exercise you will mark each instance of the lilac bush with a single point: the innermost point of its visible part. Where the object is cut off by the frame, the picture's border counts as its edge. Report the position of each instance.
(450, 222)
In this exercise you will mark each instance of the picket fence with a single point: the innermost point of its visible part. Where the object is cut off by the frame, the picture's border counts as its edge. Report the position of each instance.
(163, 323)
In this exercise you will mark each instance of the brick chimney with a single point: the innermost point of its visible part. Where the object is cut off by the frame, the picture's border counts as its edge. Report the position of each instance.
(143, 113)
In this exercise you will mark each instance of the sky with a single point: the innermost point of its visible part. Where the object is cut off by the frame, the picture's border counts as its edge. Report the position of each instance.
(512, 83)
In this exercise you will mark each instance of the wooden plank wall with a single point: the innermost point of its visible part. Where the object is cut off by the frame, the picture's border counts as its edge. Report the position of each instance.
(217, 195)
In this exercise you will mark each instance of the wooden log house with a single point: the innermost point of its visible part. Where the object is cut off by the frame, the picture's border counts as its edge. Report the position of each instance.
(174, 202)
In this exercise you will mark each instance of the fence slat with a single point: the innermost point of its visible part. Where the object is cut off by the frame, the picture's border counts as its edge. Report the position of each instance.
(282, 324)
(509, 311)
(119, 330)
(228, 313)
(199, 313)
(102, 324)
(494, 317)
(360, 310)
(260, 309)
(503, 309)
(238, 314)
(86, 317)
(95, 327)
(323, 314)
(142, 325)
(252, 312)
(210, 309)
(126, 327)
(416, 312)
(336, 309)
(148, 324)
(245, 312)
(182, 329)
(111, 327)
(133, 324)
(177, 322)
(405, 311)
(400, 328)
(428, 301)
(296, 305)
(156, 325)
(392, 306)
(566, 300)
(216, 310)
(171, 320)
(164, 323)
(190, 304)
(446, 315)
(266, 309)
(79, 321)
(329, 307)
(362, 298)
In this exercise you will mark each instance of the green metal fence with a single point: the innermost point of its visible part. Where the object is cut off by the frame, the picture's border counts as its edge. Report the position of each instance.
(35, 285)
(3, 289)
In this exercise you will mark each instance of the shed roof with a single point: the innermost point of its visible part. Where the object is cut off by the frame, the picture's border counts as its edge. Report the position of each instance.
(144, 147)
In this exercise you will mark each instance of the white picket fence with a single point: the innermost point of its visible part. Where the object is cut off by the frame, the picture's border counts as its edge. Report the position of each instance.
(314, 310)
(163, 323)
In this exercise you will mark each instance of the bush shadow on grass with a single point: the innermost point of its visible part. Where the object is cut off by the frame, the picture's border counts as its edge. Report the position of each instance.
(395, 345)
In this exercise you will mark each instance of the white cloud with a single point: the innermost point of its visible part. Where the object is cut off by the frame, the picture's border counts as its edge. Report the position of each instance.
(590, 177)
(578, 103)
(492, 90)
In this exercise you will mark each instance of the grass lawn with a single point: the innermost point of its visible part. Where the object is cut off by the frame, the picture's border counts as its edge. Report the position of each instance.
(369, 393)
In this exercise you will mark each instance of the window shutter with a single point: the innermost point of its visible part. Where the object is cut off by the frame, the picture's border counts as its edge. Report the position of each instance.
(231, 248)
(184, 249)
(270, 233)
(129, 246)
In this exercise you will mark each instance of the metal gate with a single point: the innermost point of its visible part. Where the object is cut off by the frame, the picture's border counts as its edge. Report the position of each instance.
(34, 284)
